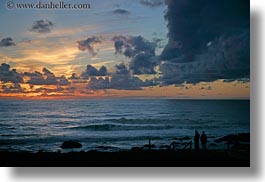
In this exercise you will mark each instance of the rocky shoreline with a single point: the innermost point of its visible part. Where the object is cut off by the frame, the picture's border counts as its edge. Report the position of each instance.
(237, 154)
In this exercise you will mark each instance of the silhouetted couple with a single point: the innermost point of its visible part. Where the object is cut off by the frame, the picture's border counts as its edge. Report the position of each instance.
(197, 139)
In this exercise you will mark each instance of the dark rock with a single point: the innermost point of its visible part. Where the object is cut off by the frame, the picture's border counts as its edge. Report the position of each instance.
(213, 145)
(151, 146)
(241, 137)
(136, 149)
(164, 146)
(241, 146)
(70, 145)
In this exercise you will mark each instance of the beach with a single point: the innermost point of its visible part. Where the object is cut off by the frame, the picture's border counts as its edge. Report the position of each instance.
(161, 158)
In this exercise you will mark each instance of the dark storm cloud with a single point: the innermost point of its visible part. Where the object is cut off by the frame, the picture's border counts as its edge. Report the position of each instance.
(152, 3)
(42, 26)
(141, 52)
(7, 42)
(193, 24)
(143, 64)
(132, 45)
(224, 59)
(8, 75)
(88, 44)
(208, 40)
(46, 78)
(121, 12)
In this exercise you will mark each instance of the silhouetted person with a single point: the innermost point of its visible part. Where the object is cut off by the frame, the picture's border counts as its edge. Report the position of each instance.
(197, 141)
(204, 140)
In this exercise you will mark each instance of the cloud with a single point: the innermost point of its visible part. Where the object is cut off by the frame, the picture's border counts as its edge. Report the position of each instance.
(42, 26)
(62, 80)
(119, 43)
(189, 33)
(225, 59)
(121, 12)
(140, 50)
(99, 83)
(120, 80)
(143, 64)
(15, 88)
(152, 3)
(208, 40)
(7, 42)
(49, 90)
(121, 69)
(7, 75)
(92, 71)
(74, 76)
(46, 78)
(44, 53)
(88, 44)
(47, 83)
(132, 45)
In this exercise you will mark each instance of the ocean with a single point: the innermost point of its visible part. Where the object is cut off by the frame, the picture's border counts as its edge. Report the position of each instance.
(116, 124)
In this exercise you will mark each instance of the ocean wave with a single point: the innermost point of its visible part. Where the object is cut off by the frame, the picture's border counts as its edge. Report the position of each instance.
(161, 121)
(18, 135)
(116, 115)
(144, 121)
(115, 127)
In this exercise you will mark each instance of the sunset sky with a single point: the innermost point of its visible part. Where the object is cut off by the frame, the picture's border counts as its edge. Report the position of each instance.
(121, 48)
